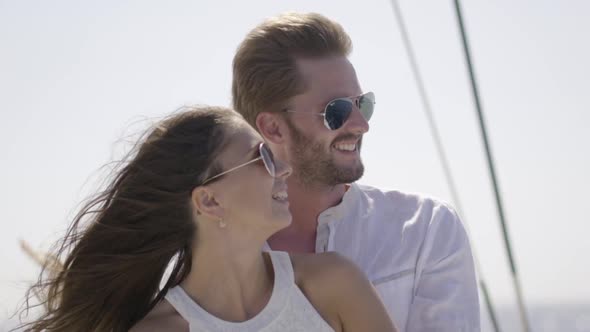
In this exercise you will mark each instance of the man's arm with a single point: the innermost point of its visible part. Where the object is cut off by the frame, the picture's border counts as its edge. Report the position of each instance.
(445, 296)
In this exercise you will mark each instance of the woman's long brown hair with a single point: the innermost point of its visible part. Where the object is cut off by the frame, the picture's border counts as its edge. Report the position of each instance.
(119, 245)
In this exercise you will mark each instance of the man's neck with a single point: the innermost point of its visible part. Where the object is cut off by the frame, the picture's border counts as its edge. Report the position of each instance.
(305, 204)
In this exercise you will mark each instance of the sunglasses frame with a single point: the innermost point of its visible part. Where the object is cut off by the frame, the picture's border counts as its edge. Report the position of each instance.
(353, 100)
(268, 162)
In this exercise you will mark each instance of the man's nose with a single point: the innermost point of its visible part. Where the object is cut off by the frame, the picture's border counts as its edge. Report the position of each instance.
(356, 122)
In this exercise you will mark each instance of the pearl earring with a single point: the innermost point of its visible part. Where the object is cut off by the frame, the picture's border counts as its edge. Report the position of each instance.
(222, 224)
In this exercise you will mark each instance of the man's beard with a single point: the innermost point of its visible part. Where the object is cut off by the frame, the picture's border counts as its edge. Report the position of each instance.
(313, 166)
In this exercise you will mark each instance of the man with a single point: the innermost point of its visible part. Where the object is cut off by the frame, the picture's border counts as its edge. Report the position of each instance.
(294, 83)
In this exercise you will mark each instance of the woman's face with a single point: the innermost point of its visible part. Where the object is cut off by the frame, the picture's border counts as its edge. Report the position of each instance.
(252, 200)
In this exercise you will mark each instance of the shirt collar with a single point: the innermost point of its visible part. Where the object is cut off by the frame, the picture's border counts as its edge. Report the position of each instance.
(346, 205)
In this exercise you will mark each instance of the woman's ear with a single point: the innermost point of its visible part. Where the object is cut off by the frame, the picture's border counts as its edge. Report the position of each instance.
(205, 202)
(271, 126)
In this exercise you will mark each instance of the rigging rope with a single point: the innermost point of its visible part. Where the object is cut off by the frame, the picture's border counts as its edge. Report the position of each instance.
(476, 99)
(440, 149)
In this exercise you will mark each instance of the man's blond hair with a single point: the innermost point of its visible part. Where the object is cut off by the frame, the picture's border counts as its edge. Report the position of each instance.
(265, 74)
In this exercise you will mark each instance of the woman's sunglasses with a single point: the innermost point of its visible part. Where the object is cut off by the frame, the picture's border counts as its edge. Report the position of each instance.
(267, 158)
(338, 110)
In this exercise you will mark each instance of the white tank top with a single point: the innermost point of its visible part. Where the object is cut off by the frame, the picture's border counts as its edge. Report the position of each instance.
(288, 310)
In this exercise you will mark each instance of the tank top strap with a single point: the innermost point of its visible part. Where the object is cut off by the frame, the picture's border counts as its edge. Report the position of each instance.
(181, 302)
(283, 269)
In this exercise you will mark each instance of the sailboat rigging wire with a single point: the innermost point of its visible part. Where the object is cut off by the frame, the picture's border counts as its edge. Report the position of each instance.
(440, 149)
(476, 99)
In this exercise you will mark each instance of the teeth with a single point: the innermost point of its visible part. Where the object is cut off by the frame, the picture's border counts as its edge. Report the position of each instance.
(281, 195)
(345, 147)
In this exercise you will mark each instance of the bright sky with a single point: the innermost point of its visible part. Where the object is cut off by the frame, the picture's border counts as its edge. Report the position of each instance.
(75, 76)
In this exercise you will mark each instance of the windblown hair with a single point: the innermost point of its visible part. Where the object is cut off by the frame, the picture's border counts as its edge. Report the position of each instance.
(265, 74)
(119, 245)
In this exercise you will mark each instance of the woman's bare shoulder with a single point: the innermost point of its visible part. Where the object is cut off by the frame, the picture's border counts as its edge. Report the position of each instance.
(163, 317)
(328, 267)
(341, 292)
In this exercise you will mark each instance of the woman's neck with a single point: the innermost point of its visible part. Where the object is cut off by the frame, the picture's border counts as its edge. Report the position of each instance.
(233, 283)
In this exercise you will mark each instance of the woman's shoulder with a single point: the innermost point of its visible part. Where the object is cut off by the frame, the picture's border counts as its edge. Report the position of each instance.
(163, 317)
(340, 292)
(324, 269)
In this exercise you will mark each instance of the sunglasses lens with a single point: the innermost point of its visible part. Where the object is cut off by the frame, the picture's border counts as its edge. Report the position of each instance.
(267, 159)
(367, 105)
(337, 112)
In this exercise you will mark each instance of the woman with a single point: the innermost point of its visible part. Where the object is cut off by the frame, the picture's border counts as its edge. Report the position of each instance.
(202, 191)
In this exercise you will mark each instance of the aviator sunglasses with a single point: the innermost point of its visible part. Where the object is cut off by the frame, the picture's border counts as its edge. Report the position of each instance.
(267, 158)
(338, 110)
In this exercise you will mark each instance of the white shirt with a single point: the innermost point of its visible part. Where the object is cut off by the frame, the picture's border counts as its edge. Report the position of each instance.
(415, 252)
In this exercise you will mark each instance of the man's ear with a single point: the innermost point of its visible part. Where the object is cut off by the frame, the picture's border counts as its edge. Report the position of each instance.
(205, 203)
(271, 126)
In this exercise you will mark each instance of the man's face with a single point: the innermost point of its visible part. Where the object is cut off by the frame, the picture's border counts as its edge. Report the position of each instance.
(320, 156)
